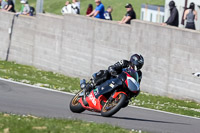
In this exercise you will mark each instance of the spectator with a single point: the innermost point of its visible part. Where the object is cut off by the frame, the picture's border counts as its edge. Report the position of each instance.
(129, 15)
(32, 11)
(89, 9)
(190, 14)
(174, 16)
(10, 6)
(107, 13)
(76, 6)
(25, 9)
(67, 8)
(99, 10)
(3, 3)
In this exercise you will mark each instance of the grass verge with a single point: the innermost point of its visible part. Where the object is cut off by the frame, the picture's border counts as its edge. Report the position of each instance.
(10, 123)
(31, 75)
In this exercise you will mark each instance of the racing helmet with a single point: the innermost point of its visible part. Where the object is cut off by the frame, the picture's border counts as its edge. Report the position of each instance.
(136, 61)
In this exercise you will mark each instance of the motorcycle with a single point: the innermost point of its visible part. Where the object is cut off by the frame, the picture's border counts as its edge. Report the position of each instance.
(110, 96)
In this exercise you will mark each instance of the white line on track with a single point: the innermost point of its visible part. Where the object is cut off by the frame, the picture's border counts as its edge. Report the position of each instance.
(67, 93)
(43, 88)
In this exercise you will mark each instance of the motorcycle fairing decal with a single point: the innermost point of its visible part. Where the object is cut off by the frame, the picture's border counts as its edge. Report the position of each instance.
(96, 91)
(92, 98)
(112, 85)
(87, 107)
(93, 102)
(128, 75)
(126, 82)
(130, 81)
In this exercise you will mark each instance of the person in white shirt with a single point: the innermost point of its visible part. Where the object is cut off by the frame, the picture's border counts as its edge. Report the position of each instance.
(76, 6)
(67, 8)
(70, 8)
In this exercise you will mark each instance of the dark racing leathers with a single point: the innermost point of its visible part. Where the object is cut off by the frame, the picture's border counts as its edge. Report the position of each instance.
(118, 67)
(113, 70)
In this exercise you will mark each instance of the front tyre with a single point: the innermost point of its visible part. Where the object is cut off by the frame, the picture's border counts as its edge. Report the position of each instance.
(110, 108)
(75, 106)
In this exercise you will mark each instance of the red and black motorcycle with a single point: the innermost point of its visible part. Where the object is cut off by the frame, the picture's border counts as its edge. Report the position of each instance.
(110, 96)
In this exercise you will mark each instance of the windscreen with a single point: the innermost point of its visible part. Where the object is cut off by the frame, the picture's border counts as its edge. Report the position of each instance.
(133, 85)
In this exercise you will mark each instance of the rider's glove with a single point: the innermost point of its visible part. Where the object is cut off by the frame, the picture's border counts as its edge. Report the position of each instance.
(112, 71)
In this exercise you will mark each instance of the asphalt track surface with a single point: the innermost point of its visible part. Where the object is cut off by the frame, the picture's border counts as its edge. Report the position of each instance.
(25, 99)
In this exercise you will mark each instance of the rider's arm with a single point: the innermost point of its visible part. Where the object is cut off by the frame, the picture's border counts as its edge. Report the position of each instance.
(117, 67)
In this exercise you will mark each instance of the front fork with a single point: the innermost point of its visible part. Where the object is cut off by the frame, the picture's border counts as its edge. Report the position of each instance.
(83, 94)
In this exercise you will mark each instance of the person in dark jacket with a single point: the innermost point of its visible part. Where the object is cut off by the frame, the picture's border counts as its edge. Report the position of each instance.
(173, 19)
(107, 13)
(10, 7)
(129, 15)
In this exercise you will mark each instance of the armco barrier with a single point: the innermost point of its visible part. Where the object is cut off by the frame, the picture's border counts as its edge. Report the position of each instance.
(79, 46)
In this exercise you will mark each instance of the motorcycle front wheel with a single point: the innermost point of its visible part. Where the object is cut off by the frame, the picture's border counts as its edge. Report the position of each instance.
(75, 106)
(110, 108)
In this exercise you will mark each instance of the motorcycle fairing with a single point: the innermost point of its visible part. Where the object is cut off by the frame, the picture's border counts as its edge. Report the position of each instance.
(94, 103)
(132, 84)
(107, 87)
(117, 93)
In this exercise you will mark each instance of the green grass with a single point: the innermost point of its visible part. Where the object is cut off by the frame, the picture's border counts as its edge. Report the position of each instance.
(189, 108)
(32, 124)
(31, 75)
(54, 6)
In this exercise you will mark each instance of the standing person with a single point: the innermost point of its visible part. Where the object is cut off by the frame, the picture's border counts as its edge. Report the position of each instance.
(99, 10)
(10, 6)
(129, 15)
(76, 6)
(174, 16)
(190, 15)
(108, 12)
(89, 9)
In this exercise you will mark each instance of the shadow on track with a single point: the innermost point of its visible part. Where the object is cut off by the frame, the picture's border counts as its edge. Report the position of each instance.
(137, 119)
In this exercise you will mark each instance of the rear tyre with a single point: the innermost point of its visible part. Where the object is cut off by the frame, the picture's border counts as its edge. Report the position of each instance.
(110, 108)
(75, 106)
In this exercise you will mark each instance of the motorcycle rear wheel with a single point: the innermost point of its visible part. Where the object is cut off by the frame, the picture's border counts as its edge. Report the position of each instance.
(110, 109)
(75, 106)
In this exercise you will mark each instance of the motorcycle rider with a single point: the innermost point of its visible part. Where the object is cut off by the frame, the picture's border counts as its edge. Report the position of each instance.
(135, 63)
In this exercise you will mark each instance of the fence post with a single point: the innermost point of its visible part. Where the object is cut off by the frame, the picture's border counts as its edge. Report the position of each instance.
(39, 6)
